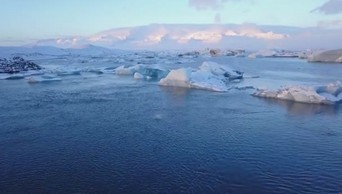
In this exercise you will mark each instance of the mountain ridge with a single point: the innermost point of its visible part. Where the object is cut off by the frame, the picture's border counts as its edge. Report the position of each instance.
(192, 36)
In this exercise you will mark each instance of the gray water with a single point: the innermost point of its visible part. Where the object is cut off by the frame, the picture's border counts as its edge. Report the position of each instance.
(110, 134)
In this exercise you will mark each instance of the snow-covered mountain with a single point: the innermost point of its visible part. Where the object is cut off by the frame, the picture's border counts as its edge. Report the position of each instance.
(192, 36)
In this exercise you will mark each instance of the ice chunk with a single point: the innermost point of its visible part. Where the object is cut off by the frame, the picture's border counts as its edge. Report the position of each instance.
(127, 70)
(296, 93)
(148, 72)
(138, 76)
(332, 88)
(207, 81)
(190, 78)
(332, 56)
(213, 68)
(329, 94)
(220, 70)
(209, 76)
(153, 72)
(263, 53)
(179, 77)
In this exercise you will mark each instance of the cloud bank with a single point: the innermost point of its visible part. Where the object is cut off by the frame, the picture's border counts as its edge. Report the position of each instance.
(330, 7)
(206, 4)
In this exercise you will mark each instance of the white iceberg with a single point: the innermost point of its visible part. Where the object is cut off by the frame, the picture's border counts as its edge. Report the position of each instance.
(330, 94)
(178, 77)
(209, 76)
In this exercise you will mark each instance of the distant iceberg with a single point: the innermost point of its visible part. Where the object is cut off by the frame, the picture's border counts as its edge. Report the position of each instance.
(329, 94)
(209, 76)
(332, 56)
(273, 53)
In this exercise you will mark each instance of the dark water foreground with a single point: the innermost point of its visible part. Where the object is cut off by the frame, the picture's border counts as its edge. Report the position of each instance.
(120, 136)
(105, 134)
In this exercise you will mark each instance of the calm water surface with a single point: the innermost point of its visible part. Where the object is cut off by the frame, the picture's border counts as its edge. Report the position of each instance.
(108, 134)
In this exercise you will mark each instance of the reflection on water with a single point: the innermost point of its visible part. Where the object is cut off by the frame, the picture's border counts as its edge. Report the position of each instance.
(304, 109)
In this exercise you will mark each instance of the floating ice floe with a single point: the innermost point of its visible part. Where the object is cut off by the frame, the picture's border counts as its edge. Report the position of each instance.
(43, 79)
(209, 76)
(329, 94)
(142, 72)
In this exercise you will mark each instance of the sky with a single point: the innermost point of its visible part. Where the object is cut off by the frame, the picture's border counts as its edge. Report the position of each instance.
(29, 20)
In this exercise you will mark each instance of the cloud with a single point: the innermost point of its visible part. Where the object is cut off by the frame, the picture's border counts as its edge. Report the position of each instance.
(253, 31)
(206, 4)
(217, 18)
(330, 7)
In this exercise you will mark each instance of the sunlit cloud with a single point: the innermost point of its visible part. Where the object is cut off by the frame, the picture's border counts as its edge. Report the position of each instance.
(330, 7)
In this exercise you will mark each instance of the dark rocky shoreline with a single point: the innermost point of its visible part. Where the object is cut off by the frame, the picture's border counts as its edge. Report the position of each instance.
(16, 65)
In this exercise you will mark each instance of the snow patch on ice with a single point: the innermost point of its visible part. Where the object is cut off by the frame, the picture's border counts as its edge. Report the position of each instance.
(209, 76)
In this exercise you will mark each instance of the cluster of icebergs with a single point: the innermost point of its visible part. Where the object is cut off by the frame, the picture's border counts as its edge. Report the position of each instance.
(329, 94)
(274, 53)
(209, 76)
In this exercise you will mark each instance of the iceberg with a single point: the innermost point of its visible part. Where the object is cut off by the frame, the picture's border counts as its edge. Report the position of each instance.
(329, 94)
(127, 70)
(220, 70)
(332, 56)
(144, 72)
(178, 77)
(210, 76)
(207, 81)
(138, 76)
